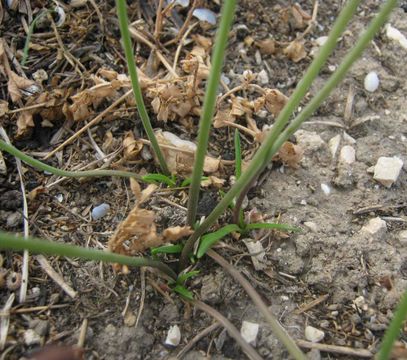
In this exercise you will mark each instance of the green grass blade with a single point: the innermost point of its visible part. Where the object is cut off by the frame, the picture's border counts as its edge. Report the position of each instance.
(208, 110)
(183, 292)
(393, 331)
(184, 277)
(284, 227)
(37, 246)
(208, 240)
(167, 249)
(128, 50)
(53, 170)
(29, 35)
(159, 178)
(188, 181)
(238, 155)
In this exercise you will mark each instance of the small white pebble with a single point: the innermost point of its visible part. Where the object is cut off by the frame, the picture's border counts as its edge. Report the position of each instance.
(371, 82)
(60, 197)
(303, 202)
(311, 225)
(333, 144)
(394, 34)
(183, 3)
(225, 79)
(349, 139)
(205, 15)
(376, 227)
(263, 77)
(347, 155)
(326, 189)
(249, 331)
(100, 211)
(313, 334)
(173, 336)
(387, 170)
(321, 40)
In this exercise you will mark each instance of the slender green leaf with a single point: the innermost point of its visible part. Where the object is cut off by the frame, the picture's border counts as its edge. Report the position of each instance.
(393, 331)
(238, 155)
(183, 292)
(188, 181)
(210, 239)
(167, 249)
(160, 178)
(184, 277)
(37, 246)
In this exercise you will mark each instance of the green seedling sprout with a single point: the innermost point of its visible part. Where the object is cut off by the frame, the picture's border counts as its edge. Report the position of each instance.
(170, 181)
(208, 110)
(167, 249)
(31, 29)
(128, 50)
(270, 146)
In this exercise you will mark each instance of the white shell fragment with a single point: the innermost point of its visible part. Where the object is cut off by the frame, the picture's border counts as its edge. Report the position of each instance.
(347, 155)
(61, 16)
(371, 82)
(321, 40)
(3, 167)
(313, 334)
(326, 189)
(100, 211)
(173, 336)
(249, 331)
(375, 227)
(387, 170)
(394, 34)
(205, 15)
(183, 3)
(333, 145)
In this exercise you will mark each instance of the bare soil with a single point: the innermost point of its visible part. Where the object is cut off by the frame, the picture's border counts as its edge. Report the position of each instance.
(332, 275)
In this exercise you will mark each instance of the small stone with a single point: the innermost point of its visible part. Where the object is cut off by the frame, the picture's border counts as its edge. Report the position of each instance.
(347, 155)
(100, 211)
(3, 167)
(205, 15)
(348, 139)
(256, 248)
(321, 40)
(258, 58)
(403, 237)
(314, 354)
(333, 145)
(31, 337)
(387, 170)
(326, 189)
(371, 82)
(394, 34)
(263, 77)
(249, 332)
(310, 141)
(311, 225)
(14, 219)
(173, 336)
(313, 334)
(376, 227)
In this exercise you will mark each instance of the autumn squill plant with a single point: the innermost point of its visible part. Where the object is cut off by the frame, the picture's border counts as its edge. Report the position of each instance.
(282, 129)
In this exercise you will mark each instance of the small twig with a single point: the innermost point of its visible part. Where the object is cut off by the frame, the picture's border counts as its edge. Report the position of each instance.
(196, 338)
(88, 125)
(158, 21)
(45, 265)
(38, 308)
(135, 34)
(278, 330)
(181, 44)
(233, 332)
(26, 255)
(143, 295)
(328, 123)
(312, 21)
(82, 333)
(5, 321)
(335, 349)
(99, 14)
(311, 304)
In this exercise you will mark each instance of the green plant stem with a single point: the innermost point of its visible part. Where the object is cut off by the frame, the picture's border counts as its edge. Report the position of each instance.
(209, 106)
(262, 154)
(53, 170)
(278, 330)
(37, 246)
(393, 331)
(29, 35)
(128, 50)
(233, 332)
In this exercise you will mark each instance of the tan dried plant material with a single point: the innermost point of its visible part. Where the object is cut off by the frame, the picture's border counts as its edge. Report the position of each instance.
(3, 108)
(300, 18)
(25, 124)
(222, 118)
(135, 188)
(214, 181)
(138, 232)
(290, 155)
(266, 46)
(203, 41)
(275, 100)
(180, 155)
(16, 84)
(131, 147)
(295, 51)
